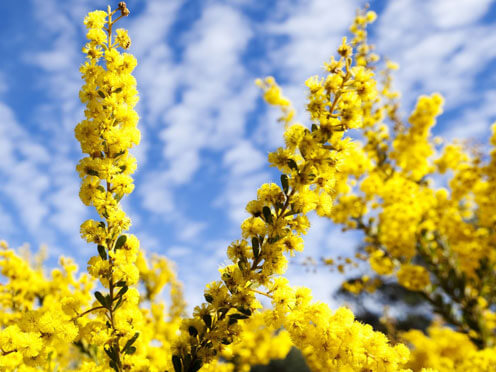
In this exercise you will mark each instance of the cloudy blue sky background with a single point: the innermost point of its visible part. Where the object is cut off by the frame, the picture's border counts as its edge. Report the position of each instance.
(206, 132)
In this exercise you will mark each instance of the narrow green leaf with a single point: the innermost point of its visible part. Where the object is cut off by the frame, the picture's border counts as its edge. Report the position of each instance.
(120, 283)
(131, 350)
(222, 312)
(131, 341)
(192, 331)
(207, 318)
(285, 183)
(208, 298)
(92, 172)
(118, 90)
(242, 265)
(267, 214)
(292, 164)
(122, 291)
(102, 252)
(119, 302)
(109, 352)
(238, 316)
(196, 365)
(101, 94)
(100, 188)
(244, 310)
(314, 127)
(113, 365)
(120, 242)
(176, 361)
(255, 246)
(101, 299)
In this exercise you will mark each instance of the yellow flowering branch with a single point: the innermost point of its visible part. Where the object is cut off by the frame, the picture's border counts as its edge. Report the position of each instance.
(106, 134)
(310, 177)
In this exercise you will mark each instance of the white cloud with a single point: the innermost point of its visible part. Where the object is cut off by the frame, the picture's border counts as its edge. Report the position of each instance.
(455, 13)
(155, 72)
(245, 166)
(243, 158)
(212, 88)
(445, 53)
(475, 121)
(215, 95)
(190, 230)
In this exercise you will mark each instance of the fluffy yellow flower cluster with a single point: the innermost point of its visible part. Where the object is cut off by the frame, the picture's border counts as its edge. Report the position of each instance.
(437, 241)
(43, 327)
(36, 319)
(256, 344)
(445, 350)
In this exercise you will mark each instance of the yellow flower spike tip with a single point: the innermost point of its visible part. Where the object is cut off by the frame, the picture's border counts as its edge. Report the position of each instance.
(106, 135)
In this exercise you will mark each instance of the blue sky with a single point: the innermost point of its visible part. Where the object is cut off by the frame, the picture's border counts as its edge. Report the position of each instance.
(206, 131)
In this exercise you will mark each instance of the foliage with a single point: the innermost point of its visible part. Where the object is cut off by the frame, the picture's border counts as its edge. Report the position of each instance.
(428, 236)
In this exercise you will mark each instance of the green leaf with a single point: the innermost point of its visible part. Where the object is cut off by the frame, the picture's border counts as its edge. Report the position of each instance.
(100, 188)
(131, 350)
(192, 331)
(102, 252)
(285, 183)
(242, 265)
(120, 283)
(222, 312)
(314, 127)
(196, 365)
(113, 365)
(101, 224)
(110, 352)
(176, 361)
(120, 242)
(256, 247)
(119, 302)
(208, 298)
(244, 310)
(238, 316)
(92, 172)
(131, 341)
(122, 291)
(118, 90)
(207, 318)
(101, 94)
(292, 164)
(101, 299)
(267, 214)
